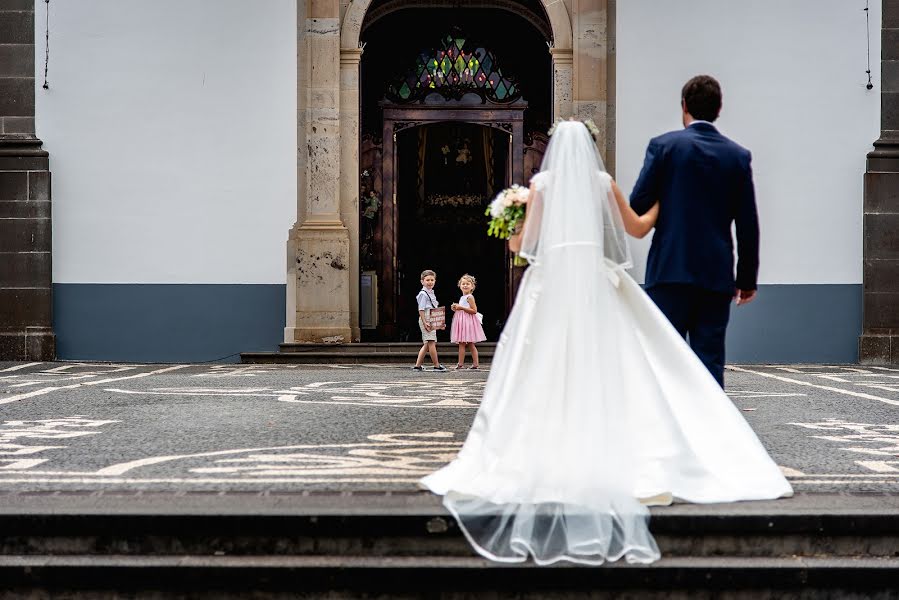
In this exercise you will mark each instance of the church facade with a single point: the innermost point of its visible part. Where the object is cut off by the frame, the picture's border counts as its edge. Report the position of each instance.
(190, 145)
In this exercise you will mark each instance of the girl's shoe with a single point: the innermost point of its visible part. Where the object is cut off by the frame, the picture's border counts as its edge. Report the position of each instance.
(474, 368)
(418, 368)
(439, 368)
(459, 366)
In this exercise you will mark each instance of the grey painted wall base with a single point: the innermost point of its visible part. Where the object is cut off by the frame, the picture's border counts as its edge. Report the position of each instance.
(166, 323)
(797, 324)
(189, 323)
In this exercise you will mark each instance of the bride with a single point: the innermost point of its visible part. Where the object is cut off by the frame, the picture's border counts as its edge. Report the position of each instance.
(595, 407)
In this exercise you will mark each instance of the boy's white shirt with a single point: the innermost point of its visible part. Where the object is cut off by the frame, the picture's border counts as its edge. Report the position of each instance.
(430, 294)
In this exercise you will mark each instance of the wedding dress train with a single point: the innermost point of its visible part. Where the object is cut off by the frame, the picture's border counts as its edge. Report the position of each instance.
(593, 402)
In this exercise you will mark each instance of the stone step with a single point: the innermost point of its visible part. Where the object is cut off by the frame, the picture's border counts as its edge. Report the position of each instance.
(386, 347)
(383, 545)
(446, 358)
(417, 525)
(86, 576)
(366, 353)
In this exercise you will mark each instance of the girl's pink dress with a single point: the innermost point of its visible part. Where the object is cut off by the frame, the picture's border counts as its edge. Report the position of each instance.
(466, 328)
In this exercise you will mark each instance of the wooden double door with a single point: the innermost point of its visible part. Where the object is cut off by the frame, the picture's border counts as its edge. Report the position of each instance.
(440, 166)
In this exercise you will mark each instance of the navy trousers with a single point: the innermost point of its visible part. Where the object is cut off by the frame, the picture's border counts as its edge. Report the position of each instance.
(700, 316)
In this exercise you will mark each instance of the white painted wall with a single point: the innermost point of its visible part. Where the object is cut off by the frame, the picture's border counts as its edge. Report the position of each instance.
(793, 75)
(171, 128)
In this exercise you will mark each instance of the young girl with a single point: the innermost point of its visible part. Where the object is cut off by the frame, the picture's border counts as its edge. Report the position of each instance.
(466, 329)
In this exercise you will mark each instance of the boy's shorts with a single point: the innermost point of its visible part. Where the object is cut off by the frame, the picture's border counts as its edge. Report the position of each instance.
(427, 336)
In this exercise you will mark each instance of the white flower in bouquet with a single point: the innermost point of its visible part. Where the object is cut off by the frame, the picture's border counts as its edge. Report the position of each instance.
(506, 211)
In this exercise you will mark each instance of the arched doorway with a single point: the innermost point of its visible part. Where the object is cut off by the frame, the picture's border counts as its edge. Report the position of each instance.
(444, 126)
(335, 45)
(446, 117)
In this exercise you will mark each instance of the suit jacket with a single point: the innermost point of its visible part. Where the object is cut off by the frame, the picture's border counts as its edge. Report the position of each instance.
(703, 182)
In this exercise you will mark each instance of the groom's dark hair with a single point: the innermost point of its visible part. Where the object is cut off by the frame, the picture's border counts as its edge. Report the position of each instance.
(702, 97)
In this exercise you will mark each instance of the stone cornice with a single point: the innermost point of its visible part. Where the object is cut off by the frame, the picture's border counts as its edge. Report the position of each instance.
(21, 145)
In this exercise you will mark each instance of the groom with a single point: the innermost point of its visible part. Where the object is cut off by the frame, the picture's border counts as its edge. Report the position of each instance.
(703, 183)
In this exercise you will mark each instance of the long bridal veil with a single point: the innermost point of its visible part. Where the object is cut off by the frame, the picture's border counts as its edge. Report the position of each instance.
(549, 466)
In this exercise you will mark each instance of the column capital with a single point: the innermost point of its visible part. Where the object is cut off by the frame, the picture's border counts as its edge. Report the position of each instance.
(350, 56)
(562, 55)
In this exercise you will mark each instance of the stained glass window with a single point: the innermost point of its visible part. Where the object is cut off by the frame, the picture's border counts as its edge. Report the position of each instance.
(452, 70)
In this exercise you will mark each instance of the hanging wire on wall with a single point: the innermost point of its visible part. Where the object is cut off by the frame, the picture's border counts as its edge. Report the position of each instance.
(870, 84)
(47, 46)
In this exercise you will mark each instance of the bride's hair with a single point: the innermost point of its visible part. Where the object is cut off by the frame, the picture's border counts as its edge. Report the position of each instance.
(589, 124)
(470, 279)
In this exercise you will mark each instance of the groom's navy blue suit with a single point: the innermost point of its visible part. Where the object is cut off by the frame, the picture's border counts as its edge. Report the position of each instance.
(703, 183)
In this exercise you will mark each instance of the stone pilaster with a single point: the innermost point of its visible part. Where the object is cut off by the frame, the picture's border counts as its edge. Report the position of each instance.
(26, 328)
(349, 170)
(318, 247)
(879, 342)
(594, 33)
(563, 79)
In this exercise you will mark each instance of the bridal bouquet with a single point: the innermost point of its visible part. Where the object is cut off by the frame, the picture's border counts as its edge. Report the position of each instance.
(506, 211)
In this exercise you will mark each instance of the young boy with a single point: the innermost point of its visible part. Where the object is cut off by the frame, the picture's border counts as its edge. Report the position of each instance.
(426, 301)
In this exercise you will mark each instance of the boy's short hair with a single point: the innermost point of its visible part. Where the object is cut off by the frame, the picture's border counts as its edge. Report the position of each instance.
(427, 272)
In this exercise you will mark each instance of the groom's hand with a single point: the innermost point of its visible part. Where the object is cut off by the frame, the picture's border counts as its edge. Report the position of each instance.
(744, 296)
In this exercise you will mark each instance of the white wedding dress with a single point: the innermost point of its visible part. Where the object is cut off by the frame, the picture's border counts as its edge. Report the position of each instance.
(594, 406)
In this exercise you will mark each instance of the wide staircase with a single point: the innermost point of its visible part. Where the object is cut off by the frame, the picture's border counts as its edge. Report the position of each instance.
(144, 545)
(363, 353)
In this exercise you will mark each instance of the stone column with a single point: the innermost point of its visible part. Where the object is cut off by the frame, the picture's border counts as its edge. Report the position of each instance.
(318, 247)
(349, 170)
(594, 70)
(879, 343)
(563, 78)
(26, 327)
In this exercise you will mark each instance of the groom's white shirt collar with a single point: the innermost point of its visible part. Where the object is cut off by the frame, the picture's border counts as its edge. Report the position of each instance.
(695, 121)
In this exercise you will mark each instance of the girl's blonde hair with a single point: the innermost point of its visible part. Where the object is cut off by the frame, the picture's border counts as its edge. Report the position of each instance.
(474, 282)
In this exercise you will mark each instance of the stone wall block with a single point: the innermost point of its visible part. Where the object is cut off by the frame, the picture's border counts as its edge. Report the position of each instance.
(17, 5)
(889, 75)
(17, 27)
(25, 307)
(880, 236)
(17, 96)
(324, 9)
(323, 174)
(889, 111)
(890, 44)
(352, 25)
(39, 186)
(24, 163)
(881, 192)
(321, 305)
(890, 14)
(323, 104)
(881, 310)
(25, 235)
(40, 344)
(558, 17)
(17, 60)
(13, 185)
(874, 349)
(881, 276)
(24, 210)
(25, 269)
(23, 125)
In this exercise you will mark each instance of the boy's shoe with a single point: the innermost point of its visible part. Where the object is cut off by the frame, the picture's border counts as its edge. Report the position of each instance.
(418, 368)
(439, 368)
